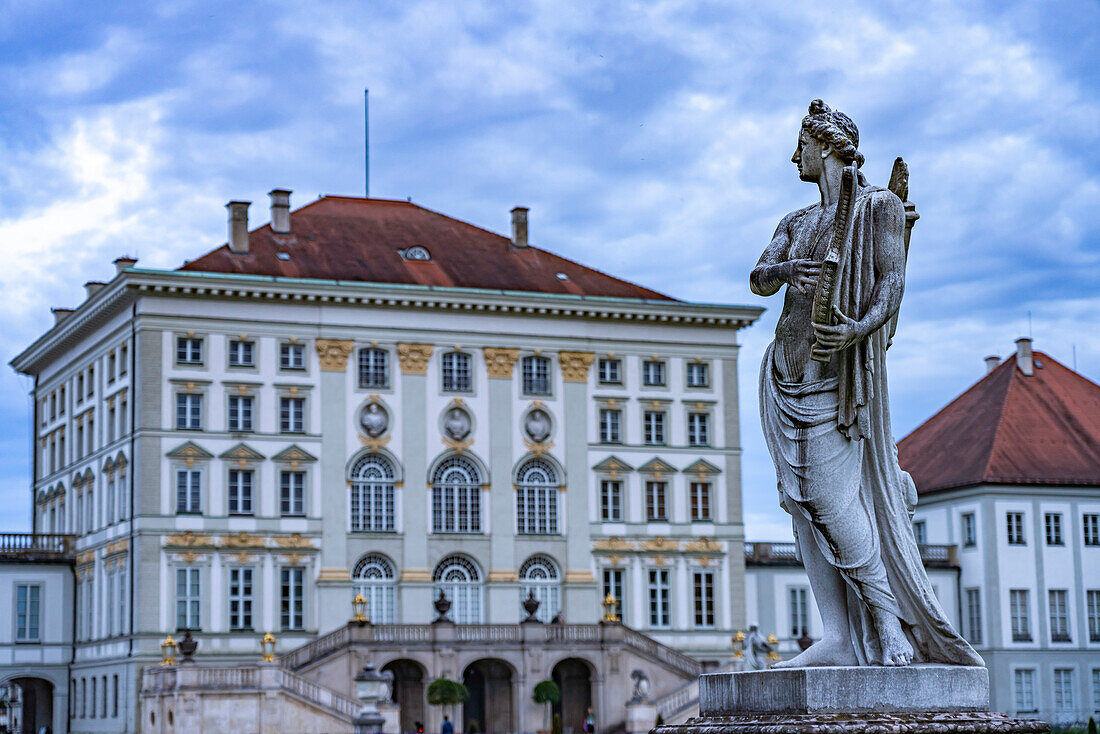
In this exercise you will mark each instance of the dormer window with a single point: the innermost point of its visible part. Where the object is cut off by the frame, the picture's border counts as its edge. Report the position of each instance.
(416, 253)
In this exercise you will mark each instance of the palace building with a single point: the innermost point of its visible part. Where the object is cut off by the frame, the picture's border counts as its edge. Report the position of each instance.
(368, 397)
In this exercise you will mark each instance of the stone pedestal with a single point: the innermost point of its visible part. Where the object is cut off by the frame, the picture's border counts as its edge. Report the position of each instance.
(914, 699)
(640, 716)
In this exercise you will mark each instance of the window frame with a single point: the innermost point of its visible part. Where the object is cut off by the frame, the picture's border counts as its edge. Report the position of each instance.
(1052, 523)
(611, 425)
(1090, 528)
(656, 500)
(241, 594)
(612, 364)
(240, 413)
(189, 411)
(368, 371)
(292, 592)
(456, 372)
(974, 626)
(23, 619)
(702, 365)
(654, 373)
(193, 494)
(240, 491)
(1019, 614)
(611, 500)
(698, 428)
(191, 601)
(969, 530)
(192, 350)
(536, 375)
(235, 349)
(287, 423)
(1058, 615)
(1015, 528)
(286, 361)
(699, 499)
(659, 592)
(654, 427)
(287, 490)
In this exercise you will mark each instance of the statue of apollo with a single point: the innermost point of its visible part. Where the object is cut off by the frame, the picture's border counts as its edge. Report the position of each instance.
(825, 411)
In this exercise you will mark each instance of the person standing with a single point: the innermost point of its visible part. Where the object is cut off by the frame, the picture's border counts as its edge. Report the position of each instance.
(448, 727)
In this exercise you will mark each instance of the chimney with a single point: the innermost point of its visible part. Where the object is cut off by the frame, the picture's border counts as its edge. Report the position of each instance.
(1023, 356)
(991, 363)
(238, 226)
(60, 314)
(519, 227)
(121, 263)
(92, 287)
(280, 211)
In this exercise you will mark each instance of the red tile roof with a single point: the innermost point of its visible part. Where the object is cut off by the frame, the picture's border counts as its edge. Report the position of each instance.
(347, 238)
(1010, 428)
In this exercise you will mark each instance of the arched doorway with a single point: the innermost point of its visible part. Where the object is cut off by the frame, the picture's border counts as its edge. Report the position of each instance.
(29, 704)
(408, 692)
(574, 679)
(489, 706)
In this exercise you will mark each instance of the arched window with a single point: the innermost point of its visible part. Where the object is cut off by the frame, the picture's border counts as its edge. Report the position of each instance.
(375, 579)
(539, 575)
(459, 580)
(456, 497)
(372, 494)
(537, 498)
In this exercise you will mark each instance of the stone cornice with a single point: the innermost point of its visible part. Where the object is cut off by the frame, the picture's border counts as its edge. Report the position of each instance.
(193, 284)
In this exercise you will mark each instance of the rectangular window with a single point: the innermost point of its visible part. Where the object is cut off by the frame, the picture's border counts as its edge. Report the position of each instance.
(1025, 691)
(611, 426)
(292, 356)
(372, 368)
(240, 413)
(698, 429)
(653, 373)
(1059, 615)
(241, 353)
(610, 371)
(920, 532)
(188, 598)
(240, 598)
(28, 612)
(188, 490)
(188, 350)
(611, 500)
(653, 427)
(655, 501)
(1018, 611)
(613, 587)
(1091, 528)
(1093, 607)
(974, 616)
(292, 493)
(969, 530)
(83, 697)
(1096, 689)
(291, 607)
(536, 376)
(698, 374)
(240, 491)
(109, 626)
(188, 412)
(456, 372)
(1063, 689)
(798, 611)
(536, 509)
(112, 363)
(123, 360)
(700, 501)
(1014, 523)
(659, 614)
(1053, 522)
(704, 598)
(292, 415)
(92, 698)
(114, 696)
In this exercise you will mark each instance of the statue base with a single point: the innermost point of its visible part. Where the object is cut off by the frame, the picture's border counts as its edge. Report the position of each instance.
(840, 700)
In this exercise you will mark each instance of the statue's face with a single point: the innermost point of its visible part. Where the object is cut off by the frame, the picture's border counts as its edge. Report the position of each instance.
(807, 156)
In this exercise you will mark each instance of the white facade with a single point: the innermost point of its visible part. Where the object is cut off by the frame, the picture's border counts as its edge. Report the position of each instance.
(1029, 591)
(237, 489)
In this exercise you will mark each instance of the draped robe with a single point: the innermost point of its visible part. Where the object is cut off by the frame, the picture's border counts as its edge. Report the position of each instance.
(837, 466)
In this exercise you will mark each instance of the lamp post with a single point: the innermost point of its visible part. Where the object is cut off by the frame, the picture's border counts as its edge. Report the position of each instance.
(609, 605)
(359, 610)
(372, 687)
(267, 645)
(168, 650)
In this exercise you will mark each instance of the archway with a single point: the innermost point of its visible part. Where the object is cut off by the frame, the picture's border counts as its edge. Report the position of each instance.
(574, 679)
(489, 706)
(30, 704)
(408, 692)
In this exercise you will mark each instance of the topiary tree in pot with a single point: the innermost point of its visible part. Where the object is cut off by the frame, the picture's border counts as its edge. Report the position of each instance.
(446, 692)
(546, 692)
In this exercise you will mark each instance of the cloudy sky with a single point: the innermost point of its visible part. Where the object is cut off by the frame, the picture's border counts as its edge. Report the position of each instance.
(650, 139)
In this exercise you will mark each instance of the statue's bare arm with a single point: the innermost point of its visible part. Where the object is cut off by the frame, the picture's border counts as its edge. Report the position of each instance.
(773, 270)
(889, 227)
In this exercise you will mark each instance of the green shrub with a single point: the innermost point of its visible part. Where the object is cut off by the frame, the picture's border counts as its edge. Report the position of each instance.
(446, 692)
(546, 691)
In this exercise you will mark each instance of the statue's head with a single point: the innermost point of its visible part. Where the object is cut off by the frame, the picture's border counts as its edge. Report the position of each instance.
(825, 132)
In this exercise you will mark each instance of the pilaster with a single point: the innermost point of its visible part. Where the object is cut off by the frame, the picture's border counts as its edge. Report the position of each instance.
(333, 580)
(502, 604)
(736, 568)
(580, 590)
(416, 579)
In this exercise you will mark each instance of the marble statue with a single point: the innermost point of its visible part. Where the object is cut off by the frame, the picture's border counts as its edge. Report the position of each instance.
(641, 686)
(374, 420)
(825, 412)
(757, 648)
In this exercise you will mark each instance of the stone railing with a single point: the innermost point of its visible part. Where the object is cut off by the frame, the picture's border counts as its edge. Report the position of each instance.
(488, 633)
(243, 680)
(672, 658)
(786, 554)
(687, 695)
(573, 633)
(35, 546)
(338, 639)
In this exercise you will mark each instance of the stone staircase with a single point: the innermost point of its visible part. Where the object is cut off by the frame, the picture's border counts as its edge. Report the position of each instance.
(680, 705)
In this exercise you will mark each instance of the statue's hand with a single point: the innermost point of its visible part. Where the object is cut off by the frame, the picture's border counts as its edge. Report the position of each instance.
(802, 275)
(842, 335)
